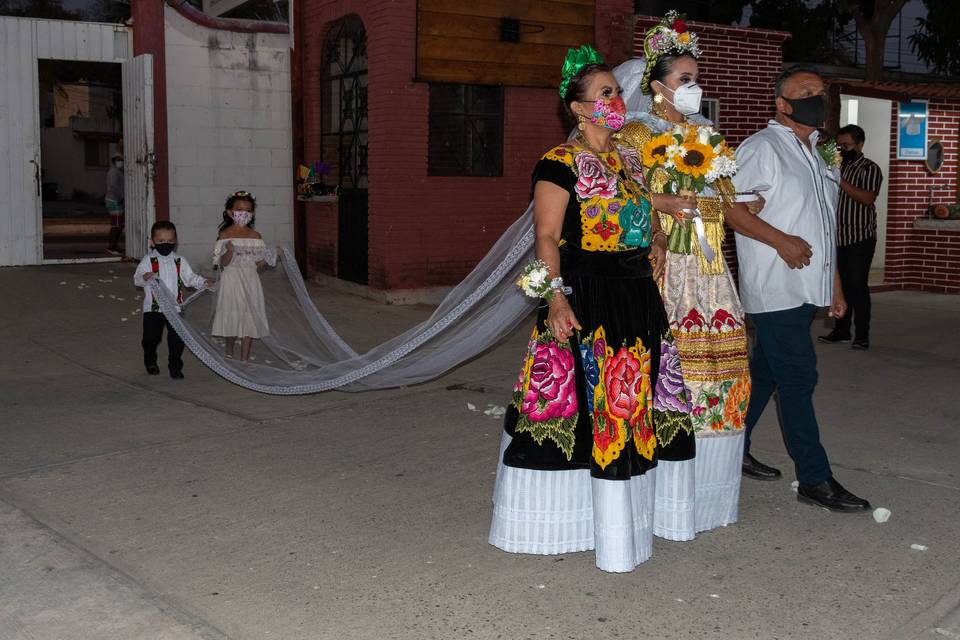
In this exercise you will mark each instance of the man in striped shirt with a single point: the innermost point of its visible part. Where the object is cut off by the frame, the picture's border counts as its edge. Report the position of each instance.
(860, 181)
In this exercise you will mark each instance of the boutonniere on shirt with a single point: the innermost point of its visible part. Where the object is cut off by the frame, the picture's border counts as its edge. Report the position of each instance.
(830, 153)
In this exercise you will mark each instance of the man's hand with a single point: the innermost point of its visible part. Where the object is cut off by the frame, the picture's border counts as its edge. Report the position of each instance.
(839, 306)
(147, 276)
(794, 250)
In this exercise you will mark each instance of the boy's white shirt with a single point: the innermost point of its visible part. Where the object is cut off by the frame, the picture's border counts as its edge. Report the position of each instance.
(167, 275)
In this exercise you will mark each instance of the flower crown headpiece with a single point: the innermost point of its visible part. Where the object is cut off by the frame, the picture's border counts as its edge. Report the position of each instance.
(243, 194)
(670, 36)
(576, 60)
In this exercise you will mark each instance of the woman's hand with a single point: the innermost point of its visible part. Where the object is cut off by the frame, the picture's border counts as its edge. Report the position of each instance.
(561, 320)
(147, 276)
(673, 204)
(756, 206)
(658, 258)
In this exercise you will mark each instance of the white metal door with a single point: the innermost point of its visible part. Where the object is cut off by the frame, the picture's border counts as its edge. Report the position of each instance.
(20, 173)
(138, 152)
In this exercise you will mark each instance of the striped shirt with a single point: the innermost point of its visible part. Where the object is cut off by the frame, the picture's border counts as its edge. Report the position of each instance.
(856, 221)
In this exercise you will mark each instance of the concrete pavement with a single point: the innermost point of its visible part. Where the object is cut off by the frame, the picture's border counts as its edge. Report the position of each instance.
(142, 507)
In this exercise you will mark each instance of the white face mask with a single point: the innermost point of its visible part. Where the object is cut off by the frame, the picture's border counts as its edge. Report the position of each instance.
(686, 98)
(118, 164)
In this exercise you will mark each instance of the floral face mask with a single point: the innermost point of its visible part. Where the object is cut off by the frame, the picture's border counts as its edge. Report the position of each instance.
(241, 217)
(610, 113)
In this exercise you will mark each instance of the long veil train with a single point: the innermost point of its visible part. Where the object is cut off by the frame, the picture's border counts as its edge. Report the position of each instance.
(305, 355)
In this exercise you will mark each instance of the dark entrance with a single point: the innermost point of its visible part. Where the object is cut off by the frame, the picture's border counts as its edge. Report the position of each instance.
(81, 180)
(344, 113)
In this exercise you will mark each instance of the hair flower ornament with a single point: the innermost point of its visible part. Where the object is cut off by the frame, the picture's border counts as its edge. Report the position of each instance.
(669, 36)
(576, 60)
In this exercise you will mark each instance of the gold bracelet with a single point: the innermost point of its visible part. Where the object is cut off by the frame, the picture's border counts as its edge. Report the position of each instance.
(660, 233)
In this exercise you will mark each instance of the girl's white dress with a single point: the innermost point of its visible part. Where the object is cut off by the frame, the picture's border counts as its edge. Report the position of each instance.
(240, 310)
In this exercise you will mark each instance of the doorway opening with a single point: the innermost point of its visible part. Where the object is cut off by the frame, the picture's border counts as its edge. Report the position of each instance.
(873, 115)
(81, 174)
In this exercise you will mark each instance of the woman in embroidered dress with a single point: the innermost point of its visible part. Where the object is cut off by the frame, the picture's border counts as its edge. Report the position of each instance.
(600, 387)
(702, 305)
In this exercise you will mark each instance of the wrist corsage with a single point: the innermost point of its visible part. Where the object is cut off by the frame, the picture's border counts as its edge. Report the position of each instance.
(535, 281)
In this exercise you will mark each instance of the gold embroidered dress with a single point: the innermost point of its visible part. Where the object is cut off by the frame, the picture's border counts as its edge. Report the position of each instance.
(707, 322)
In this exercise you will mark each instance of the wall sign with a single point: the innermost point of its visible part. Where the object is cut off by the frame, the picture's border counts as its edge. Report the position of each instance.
(912, 130)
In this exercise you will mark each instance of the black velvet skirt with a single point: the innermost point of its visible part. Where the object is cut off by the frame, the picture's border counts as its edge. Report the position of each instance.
(611, 398)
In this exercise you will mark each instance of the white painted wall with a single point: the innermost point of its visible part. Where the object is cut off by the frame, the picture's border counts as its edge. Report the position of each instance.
(229, 128)
(873, 115)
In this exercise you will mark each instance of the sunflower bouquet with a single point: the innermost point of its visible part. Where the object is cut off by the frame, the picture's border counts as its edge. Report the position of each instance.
(692, 158)
(686, 160)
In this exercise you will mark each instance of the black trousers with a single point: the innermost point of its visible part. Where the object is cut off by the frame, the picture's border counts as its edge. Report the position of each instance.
(153, 324)
(853, 263)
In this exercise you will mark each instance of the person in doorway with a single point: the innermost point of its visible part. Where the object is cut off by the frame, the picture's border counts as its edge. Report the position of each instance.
(239, 252)
(114, 202)
(860, 181)
(174, 273)
(801, 191)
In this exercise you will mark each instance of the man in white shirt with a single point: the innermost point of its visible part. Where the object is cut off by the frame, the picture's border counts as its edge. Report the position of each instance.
(782, 163)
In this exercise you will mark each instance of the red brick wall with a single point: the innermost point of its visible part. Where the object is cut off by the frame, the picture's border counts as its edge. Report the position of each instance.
(428, 231)
(922, 258)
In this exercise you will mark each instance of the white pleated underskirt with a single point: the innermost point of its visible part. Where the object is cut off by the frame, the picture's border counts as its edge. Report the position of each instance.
(554, 512)
(718, 469)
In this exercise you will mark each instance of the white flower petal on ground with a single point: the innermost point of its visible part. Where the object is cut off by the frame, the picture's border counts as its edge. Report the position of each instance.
(794, 485)
(123, 319)
(471, 406)
(714, 595)
(881, 514)
(919, 547)
(100, 296)
(63, 282)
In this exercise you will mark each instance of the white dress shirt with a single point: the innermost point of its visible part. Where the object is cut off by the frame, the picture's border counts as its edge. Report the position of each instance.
(167, 275)
(801, 194)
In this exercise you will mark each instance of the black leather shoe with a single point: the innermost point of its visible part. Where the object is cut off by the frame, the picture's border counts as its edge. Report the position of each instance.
(753, 468)
(176, 375)
(153, 369)
(861, 344)
(834, 338)
(831, 495)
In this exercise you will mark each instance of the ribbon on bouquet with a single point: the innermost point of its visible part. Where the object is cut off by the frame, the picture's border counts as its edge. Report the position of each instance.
(694, 216)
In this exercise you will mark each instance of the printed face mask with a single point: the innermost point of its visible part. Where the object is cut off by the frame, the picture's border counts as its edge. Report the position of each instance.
(241, 217)
(609, 113)
(686, 98)
(810, 111)
(164, 248)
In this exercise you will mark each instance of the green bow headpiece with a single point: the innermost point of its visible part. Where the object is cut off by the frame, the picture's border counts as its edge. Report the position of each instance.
(576, 60)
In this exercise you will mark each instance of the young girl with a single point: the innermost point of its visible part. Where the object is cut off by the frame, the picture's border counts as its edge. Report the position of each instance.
(239, 252)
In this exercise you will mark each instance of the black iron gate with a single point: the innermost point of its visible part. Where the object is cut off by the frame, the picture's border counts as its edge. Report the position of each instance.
(344, 114)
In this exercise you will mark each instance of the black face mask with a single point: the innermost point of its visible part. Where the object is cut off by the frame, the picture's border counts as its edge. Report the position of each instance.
(165, 248)
(850, 155)
(810, 111)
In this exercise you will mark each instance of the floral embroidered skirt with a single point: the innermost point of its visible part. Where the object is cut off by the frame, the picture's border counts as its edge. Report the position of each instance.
(591, 417)
(706, 320)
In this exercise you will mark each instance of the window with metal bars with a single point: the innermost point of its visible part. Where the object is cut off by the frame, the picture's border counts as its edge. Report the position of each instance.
(465, 130)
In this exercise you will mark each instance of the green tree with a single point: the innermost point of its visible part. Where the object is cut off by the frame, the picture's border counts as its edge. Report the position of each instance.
(51, 9)
(935, 40)
(873, 19)
(815, 29)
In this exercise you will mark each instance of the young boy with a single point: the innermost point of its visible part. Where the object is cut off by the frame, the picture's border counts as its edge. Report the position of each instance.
(175, 273)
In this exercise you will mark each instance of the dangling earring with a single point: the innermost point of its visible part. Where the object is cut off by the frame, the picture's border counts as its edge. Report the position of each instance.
(581, 122)
(658, 98)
